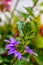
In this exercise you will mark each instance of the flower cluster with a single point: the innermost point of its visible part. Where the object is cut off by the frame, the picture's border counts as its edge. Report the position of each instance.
(12, 48)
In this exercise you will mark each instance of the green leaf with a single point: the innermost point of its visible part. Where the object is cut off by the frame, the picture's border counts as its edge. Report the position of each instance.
(35, 24)
(30, 63)
(20, 25)
(35, 1)
(39, 41)
(28, 29)
(25, 15)
(1, 50)
(21, 62)
(30, 12)
(39, 58)
(29, 33)
(28, 9)
(1, 60)
(41, 4)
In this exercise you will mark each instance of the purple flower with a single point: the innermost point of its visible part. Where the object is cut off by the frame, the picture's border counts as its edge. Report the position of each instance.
(28, 50)
(12, 48)
(17, 54)
(12, 41)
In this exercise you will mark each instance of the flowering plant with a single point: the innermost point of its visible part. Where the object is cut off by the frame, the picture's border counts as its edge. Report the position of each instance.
(21, 42)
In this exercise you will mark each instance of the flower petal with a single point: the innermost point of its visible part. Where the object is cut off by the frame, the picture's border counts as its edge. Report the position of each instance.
(7, 41)
(14, 42)
(12, 39)
(11, 52)
(19, 56)
(15, 54)
(30, 51)
(9, 46)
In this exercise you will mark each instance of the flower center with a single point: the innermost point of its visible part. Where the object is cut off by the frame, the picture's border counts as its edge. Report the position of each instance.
(16, 48)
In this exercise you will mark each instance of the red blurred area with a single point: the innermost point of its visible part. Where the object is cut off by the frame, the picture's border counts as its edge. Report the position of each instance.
(41, 30)
(5, 4)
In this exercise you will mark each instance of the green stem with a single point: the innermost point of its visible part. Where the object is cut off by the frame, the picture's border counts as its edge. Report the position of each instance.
(37, 61)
